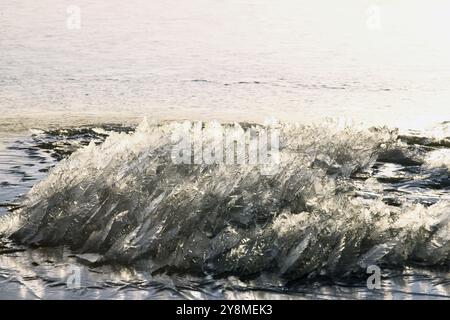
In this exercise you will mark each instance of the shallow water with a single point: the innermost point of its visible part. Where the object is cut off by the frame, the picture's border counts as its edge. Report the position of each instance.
(244, 61)
(42, 273)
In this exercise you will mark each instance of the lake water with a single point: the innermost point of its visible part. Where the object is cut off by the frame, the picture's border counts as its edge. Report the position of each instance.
(373, 61)
(376, 63)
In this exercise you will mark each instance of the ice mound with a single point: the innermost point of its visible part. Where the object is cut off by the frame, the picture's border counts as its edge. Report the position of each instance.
(127, 201)
(438, 159)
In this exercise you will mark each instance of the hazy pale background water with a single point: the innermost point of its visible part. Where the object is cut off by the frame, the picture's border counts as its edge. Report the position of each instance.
(235, 59)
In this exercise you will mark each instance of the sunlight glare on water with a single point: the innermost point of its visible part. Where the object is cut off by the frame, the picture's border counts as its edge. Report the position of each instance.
(383, 62)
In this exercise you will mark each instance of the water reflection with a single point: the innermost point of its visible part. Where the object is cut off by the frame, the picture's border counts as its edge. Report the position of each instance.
(43, 274)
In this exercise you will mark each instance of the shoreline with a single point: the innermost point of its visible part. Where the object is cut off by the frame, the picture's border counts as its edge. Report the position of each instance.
(13, 123)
